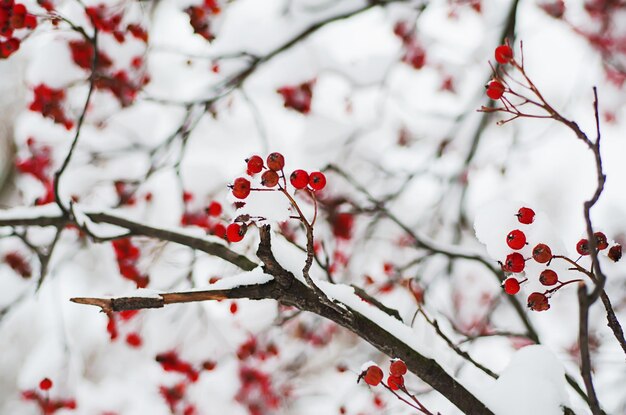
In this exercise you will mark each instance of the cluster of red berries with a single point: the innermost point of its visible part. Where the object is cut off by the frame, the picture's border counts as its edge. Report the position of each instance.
(542, 254)
(200, 18)
(49, 102)
(503, 55)
(133, 339)
(298, 97)
(107, 21)
(18, 263)
(38, 165)
(13, 17)
(207, 218)
(42, 398)
(413, 52)
(257, 393)
(127, 255)
(252, 348)
(373, 375)
(270, 178)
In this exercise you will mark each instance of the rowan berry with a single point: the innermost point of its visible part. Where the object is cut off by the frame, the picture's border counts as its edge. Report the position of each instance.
(45, 384)
(601, 241)
(542, 253)
(511, 286)
(275, 161)
(538, 302)
(582, 247)
(395, 382)
(495, 90)
(317, 180)
(269, 178)
(503, 54)
(525, 215)
(516, 239)
(255, 165)
(397, 368)
(299, 179)
(241, 188)
(373, 375)
(615, 253)
(134, 340)
(235, 232)
(548, 277)
(214, 209)
(514, 262)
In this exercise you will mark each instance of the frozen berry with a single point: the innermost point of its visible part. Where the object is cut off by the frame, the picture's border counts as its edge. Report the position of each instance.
(45, 384)
(373, 375)
(397, 368)
(615, 253)
(503, 54)
(395, 382)
(241, 188)
(516, 239)
(582, 247)
(548, 277)
(214, 209)
(601, 242)
(542, 253)
(275, 161)
(299, 179)
(514, 262)
(269, 178)
(495, 90)
(317, 180)
(255, 165)
(525, 215)
(538, 302)
(511, 286)
(235, 232)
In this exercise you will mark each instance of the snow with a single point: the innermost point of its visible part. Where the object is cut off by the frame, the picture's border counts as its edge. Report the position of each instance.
(50, 210)
(254, 277)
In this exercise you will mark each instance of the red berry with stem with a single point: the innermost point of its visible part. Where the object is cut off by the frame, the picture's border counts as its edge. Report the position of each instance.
(582, 247)
(495, 90)
(601, 241)
(45, 384)
(615, 253)
(255, 165)
(299, 179)
(538, 302)
(503, 54)
(397, 368)
(235, 232)
(516, 239)
(241, 188)
(525, 215)
(511, 286)
(275, 161)
(514, 262)
(548, 277)
(373, 375)
(269, 178)
(395, 382)
(542, 253)
(317, 180)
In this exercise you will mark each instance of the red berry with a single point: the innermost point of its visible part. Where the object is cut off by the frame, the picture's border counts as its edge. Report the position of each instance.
(601, 242)
(317, 180)
(299, 179)
(134, 340)
(495, 90)
(214, 209)
(241, 188)
(514, 262)
(516, 239)
(548, 277)
(45, 384)
(275, 161)
(269, 178)
(582, 247)
(373, 375)
(235, 232)
(538, 302)
(219, 230)
(255, 165)
(395, 382)
(542, 253)
(511, 286)
(503, 54)
(397, 368)
(233, 308)
(525, 215)
(615, 253)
